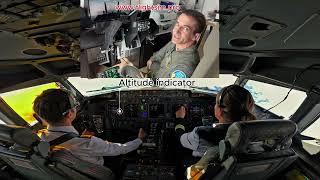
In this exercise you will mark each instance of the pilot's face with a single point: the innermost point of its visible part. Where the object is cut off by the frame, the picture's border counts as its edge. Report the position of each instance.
(184, 31)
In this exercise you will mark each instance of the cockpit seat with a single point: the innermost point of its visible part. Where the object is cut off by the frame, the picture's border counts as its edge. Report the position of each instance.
(208, 48)
(254, 150)
(33, 159)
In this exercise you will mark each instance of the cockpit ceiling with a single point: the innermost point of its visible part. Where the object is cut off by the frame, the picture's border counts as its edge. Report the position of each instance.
(269, 24)
(38, 29)
(38, 38)
(271, 39)
(24, 16)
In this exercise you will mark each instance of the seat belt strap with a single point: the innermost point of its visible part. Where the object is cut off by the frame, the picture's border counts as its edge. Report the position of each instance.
(62, 139)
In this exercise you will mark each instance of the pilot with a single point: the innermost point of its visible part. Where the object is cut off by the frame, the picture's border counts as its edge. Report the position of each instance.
(178, 58)
(233, 103)
(58, 108)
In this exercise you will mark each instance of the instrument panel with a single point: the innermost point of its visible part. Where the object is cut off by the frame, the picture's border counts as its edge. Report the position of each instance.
(142, 107)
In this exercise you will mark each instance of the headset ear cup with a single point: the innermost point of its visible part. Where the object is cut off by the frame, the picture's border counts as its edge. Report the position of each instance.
(71, 101)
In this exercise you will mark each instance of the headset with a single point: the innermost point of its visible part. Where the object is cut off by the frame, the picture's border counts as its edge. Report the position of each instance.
(73, 104)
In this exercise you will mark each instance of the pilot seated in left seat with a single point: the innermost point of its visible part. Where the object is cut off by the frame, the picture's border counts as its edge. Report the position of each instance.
(178, 58)
(58, 108)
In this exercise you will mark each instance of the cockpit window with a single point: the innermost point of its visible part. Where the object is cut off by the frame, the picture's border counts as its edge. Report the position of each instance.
(91, 87)
(267, 95)
(21, 101)
(222, 81)
(312, 146)
(313, 130)
(88, 87)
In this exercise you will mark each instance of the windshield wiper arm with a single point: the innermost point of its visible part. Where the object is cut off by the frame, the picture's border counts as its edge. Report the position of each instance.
(105, 88)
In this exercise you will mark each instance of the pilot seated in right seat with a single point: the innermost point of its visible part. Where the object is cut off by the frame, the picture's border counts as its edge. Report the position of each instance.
(178, 58)
(58, 108)
(233, 103)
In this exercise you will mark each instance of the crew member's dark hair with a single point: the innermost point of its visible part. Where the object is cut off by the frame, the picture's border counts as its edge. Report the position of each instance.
(198, 16)
(51, 104)
(237, 104)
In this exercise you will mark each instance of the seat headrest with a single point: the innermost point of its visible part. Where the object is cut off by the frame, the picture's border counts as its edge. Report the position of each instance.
(18, 134)
(276, 132)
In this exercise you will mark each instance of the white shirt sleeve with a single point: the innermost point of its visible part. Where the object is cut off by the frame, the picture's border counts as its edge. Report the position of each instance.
(190, 140)
(104, 148)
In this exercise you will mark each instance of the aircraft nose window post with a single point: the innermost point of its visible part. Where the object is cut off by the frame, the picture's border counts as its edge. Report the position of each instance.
(119, 110)
(149, 39)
